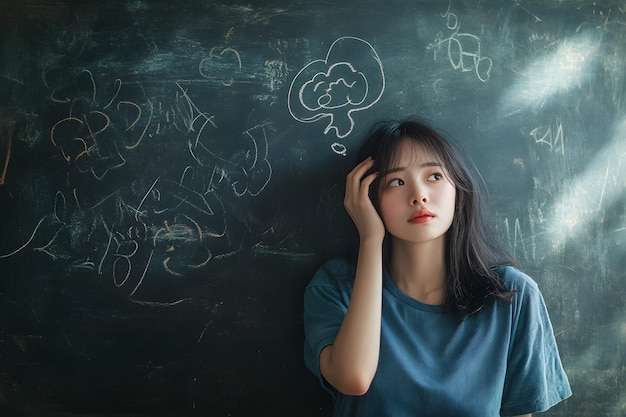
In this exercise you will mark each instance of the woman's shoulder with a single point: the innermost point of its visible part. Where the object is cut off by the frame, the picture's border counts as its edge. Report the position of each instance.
(333, 271)
(516, 280)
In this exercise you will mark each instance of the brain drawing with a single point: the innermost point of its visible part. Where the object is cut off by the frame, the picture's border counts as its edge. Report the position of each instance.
(348, 80)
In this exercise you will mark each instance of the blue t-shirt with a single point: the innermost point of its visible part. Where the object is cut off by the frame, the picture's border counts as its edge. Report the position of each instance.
(502, 360)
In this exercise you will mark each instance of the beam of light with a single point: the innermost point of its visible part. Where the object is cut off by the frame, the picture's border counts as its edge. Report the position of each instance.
(555, 71)
(601, 183)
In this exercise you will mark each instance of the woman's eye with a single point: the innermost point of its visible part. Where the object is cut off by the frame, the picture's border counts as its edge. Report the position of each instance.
(435, 177)
(396, 182)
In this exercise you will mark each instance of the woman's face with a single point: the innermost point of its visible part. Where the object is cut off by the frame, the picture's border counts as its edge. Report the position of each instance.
(416, 197)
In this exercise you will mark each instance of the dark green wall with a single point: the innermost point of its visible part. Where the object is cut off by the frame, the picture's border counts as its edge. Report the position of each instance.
(171, 175)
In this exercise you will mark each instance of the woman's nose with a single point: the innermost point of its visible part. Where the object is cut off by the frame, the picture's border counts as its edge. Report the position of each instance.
(419, 198)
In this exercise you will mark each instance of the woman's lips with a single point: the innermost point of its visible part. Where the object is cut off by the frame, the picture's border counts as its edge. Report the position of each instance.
(421, 216)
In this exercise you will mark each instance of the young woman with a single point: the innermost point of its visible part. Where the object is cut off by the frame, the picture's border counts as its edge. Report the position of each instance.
(432, 319)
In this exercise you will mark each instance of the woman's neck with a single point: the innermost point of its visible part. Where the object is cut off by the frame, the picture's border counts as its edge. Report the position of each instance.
(419, 270)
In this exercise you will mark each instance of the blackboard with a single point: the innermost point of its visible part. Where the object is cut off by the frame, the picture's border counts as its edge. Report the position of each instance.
(171, 176)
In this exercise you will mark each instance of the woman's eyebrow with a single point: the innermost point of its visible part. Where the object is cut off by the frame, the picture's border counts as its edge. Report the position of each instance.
(430, 164)
(400, 169)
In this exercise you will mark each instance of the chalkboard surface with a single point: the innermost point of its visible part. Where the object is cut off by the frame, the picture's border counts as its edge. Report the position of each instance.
(171, 176)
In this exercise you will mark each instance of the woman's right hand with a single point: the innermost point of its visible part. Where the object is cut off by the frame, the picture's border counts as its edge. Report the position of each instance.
(358, 204)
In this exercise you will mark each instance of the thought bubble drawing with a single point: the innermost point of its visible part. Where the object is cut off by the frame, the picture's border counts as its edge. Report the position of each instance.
(348, 80)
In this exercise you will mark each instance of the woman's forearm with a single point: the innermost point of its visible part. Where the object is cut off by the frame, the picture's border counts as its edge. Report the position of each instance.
(349, 364)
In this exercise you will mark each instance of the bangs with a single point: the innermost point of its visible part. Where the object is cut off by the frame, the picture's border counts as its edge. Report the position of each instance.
(418, 146)
(384, 145)
(390, 154)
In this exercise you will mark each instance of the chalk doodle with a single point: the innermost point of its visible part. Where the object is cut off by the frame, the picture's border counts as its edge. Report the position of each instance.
(463, 49)
(551, 136)
(515, 239)
(349, 79)
(241, 163)
(221, 63)
(255, 170)
(171, 226)
(339, 148)
(184, 236)
(275, 70)
(151, 232)
(95, 137)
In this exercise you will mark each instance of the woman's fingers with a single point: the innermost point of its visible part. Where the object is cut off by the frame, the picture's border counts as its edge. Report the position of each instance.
(358, 203)
(356, 176)
(355, 182)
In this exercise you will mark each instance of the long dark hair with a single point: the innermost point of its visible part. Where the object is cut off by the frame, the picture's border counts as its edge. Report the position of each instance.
(472, 255)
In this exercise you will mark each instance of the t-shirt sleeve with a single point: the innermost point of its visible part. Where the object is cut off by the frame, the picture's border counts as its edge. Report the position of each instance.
(325, 305)
(535, 379)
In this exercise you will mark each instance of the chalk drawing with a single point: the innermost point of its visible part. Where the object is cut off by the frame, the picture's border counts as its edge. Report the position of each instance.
(243, 163)
(349, 79)
(516, 239)
(275, 70)
(184, 245)
(151, 230)
(462, 49)
(169, 229)
(220, 63)
(339, 148)
(96, 138)
(550, 136)
(255, 170)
